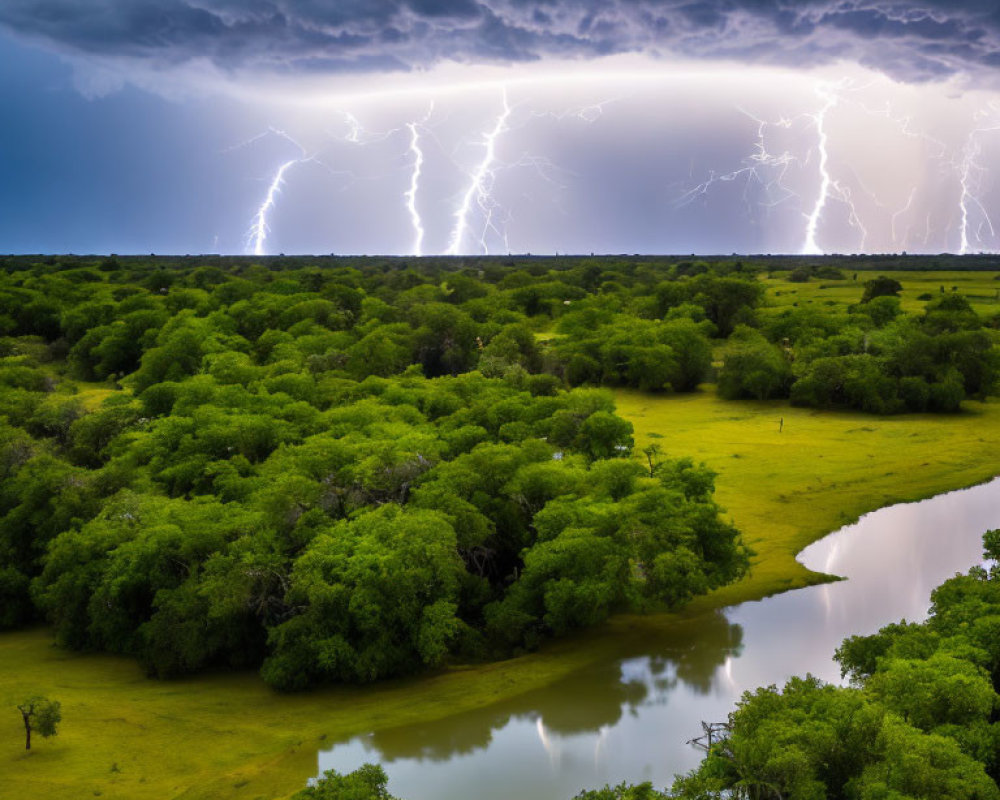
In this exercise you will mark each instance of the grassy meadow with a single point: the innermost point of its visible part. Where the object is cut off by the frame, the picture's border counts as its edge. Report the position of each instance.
(786, 476)
(982, 289)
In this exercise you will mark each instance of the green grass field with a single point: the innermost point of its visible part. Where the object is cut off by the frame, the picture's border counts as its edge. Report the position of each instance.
(982, 289)
(228, 736)
(823, 469)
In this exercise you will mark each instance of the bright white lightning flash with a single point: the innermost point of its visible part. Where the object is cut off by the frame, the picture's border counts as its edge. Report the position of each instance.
(810, 247)
(257, 235)
(753, 170)
(770, 171)
(970, 173)
(411, 194)
(260, 229)
(909, 204)
(356, 130)
(480, 187)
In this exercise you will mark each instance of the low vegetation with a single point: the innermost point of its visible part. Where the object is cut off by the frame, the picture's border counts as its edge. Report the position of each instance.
(918, 720)
(40, 715)
(343, 475)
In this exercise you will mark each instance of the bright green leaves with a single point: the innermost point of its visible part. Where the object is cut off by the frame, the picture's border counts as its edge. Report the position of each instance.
(377, 597)
(941, 690)
(368, 782)
(351, 473)
(753, 368)
(918, 724)
(40, 715)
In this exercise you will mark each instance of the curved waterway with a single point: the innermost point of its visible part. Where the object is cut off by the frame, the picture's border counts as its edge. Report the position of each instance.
(629, 718)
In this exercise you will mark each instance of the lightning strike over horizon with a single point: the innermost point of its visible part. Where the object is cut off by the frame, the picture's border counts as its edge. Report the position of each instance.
(480, 187)
(355, 127)
(970, 173)
(411, 193)
(260, 229)
(821, 197)
(764, 189)
(810, 246)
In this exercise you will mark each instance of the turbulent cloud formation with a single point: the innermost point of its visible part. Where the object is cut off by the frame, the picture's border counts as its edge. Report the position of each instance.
(494, 126)
(911, 40)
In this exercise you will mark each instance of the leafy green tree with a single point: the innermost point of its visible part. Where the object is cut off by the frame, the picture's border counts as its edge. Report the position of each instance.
(445, 339)
(922, 767)
(367, 782)
(378, 597)
(854, 381)
(623, 791)
(949, 314)
(882, 309)
(940, 690)
(728, 301)
(881, 287)
(753, 367)
(604, 435)
(40, 715)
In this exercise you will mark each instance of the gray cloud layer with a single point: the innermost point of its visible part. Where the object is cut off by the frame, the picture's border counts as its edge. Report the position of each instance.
(909, 39)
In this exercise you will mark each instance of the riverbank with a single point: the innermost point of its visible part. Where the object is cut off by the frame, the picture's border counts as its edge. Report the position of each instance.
(786, 476)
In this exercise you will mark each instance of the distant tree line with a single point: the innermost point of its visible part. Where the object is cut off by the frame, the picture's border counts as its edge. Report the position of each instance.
(872, 357)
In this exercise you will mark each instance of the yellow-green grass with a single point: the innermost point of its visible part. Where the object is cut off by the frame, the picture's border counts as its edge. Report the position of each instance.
(789, 475)
(981, 288)
(218, 736)
(228, 736)
(93, 394)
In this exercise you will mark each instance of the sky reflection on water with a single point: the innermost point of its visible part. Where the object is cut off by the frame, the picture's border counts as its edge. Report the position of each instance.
(630, 718)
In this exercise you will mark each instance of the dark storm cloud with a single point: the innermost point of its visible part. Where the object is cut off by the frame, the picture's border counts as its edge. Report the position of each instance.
(912, 40)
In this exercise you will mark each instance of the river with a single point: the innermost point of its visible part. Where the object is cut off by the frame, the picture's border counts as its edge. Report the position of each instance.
(628, 719)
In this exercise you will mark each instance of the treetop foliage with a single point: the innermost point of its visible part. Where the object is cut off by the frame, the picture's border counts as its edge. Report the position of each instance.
(371, 468)
(335, 475)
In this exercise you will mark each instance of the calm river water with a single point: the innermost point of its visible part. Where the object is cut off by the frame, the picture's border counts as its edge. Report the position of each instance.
(629, 718)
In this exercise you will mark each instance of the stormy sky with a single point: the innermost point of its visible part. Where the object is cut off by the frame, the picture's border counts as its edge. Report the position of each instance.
(472, 126)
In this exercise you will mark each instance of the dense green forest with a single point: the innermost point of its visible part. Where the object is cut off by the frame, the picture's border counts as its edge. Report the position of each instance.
(347, 470)
(918, 722)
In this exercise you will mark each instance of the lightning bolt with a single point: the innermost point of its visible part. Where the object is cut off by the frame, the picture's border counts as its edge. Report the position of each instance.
(356, 130)
(589, 113)
(937, 151)
(480, 187)
(770, 171)
(753, 170)
(810, 247)
(970, 173)
(411, 194)
(260, 229)
(257, 236)
(844, 194)
(356, 134)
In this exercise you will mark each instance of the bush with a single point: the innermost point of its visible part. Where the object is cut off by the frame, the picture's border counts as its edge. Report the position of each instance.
(752, 367)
